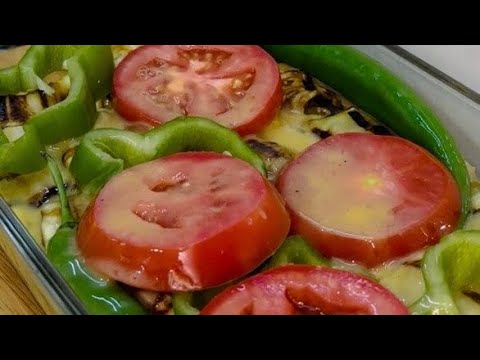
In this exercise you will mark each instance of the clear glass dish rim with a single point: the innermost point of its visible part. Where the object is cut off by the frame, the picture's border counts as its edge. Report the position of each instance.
(435, 72)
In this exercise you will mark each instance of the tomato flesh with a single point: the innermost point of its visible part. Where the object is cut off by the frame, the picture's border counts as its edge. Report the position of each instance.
(369, 198)
(238, 86)
(184, 222)
(305, 290)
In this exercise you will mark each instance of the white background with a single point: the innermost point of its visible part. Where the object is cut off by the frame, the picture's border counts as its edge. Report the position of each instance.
(461, 62)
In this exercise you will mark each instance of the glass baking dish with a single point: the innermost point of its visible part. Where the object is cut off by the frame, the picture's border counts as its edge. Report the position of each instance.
(456, 105)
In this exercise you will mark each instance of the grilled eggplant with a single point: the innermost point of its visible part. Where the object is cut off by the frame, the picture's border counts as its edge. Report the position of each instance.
(312, 111)
(157, 303)
(274, 155)
(15, 110)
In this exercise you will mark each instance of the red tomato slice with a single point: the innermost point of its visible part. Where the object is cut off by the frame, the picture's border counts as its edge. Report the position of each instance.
(305, 290)
(238, 86)
(184, 222)
(369, 198)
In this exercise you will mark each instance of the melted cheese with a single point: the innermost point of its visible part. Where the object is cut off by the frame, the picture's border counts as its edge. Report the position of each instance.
(109, 119)
(473, 222)
(405, 281)
(337, 124)
(288, 129)
(293, 130)
(466, 305)
(31, 219)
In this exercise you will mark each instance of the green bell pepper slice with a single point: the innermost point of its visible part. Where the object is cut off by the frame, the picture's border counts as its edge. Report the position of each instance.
(376, 90)
(38, 61)
(449, 267)
(90, 68)
(105, 152)
(21, 156)
(70, 118)
(100, 295)
(184, 304)
(295, 250)
(41, 60)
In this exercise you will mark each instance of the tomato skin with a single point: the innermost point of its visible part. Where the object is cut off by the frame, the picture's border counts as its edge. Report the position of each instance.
(265, 116)
(265, 98)
(196, 264)
(305, 289)
(368, 253)
(371, 251)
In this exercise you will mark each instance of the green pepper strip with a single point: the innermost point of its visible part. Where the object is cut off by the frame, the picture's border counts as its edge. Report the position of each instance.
(183, 304)
(90, 68)
(41, 60)
(295, 250)
(105, 152)
(375, 89)
(448, 268)
(21, 156)
(101, 296)
(38, 61)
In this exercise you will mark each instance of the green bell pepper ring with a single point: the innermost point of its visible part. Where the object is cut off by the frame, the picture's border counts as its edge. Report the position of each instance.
(376, 90)
(90, 68)
(451, 266)
(21, 156)
(41, 60)
(101, 296)
(38, 61)
(105, 152)
(70, 118)
(183, 304)
(295, 250)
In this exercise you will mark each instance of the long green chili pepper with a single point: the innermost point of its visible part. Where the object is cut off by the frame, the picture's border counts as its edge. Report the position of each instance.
(450, 267)
(376, 90)
(100, 295)
(105, 152)
(90, 68)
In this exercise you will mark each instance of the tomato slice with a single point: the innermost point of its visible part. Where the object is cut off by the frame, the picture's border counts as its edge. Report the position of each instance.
(238, 86)
(369, 198)
(305, 290)
(184, 222)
